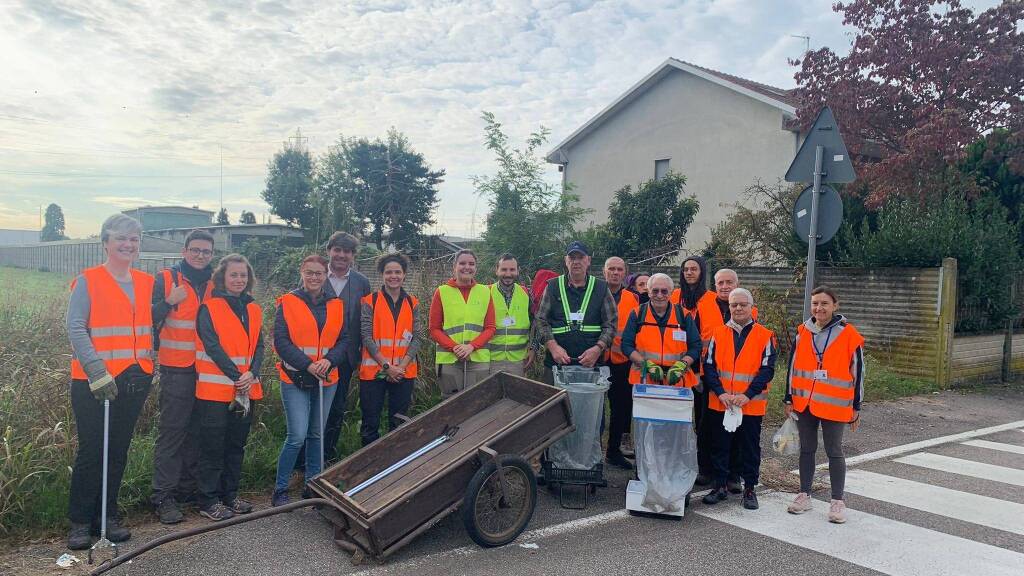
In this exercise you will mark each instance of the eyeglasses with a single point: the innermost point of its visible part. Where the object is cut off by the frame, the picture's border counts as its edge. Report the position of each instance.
(659, 290)
(313, 274)
(200, 252)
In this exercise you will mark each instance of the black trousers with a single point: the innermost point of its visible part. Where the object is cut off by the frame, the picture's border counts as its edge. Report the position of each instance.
(85, 497)
(176, 454)
(705, 422)
(747, 438)
(620, 399)
(222, 437)
(335, 418)
(371, 401)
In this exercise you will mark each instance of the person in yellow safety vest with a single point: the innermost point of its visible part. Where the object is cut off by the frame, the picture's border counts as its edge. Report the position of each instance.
(461, 323)
(577, 316)
(389, 367)
(229, 353)
(620, 395)
(738, 368)
(177, 294)
(824, 385)
(511, 349)
(110, 326)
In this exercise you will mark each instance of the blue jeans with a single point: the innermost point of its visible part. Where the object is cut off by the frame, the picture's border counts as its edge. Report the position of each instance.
(302, 412)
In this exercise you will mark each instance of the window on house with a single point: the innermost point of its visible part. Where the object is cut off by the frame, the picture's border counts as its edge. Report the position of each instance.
(660, 168)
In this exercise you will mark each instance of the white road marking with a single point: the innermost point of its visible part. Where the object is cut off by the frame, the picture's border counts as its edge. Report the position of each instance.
(965, 467)
(1011, 448)
(981, 510)
(870, 541)
(915, 446)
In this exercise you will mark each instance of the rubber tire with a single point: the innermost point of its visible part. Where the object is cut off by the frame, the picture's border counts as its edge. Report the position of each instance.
(477, 484)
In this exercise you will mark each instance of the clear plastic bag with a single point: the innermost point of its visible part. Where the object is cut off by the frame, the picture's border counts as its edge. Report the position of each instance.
(666, 458)
(786, 441)
(581, 449)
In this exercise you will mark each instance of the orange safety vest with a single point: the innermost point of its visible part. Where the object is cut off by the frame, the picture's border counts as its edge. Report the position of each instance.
(392, 335)
(211, 383)
(664, 349)
(829, 397)
(121, 334)
(178, 334)
(627, 303)
(737, 372)
(303, 332)
(709, 317)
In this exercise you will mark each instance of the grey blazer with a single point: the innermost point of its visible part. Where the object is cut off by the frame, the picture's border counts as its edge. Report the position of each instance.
(357, 287)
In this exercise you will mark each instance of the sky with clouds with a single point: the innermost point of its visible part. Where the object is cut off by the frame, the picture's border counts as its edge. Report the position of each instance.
(108, 104)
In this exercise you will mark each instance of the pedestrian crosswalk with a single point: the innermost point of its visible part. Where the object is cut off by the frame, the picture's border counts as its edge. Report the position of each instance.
(965, 528)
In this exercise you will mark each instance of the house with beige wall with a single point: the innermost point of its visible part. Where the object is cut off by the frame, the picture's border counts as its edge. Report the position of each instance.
(720, 131)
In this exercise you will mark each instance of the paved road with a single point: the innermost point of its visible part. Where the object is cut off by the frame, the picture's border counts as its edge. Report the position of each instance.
(933, 489)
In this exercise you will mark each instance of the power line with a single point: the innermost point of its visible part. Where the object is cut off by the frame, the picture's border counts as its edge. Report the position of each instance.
(126, 154)
(88, 175)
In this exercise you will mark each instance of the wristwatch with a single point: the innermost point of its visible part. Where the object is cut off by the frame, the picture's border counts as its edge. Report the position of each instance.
(386, 366)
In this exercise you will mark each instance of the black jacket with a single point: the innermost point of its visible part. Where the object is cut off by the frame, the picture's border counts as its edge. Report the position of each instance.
(211, 341)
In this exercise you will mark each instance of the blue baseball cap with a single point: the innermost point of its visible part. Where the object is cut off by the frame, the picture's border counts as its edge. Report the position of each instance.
(577, 246)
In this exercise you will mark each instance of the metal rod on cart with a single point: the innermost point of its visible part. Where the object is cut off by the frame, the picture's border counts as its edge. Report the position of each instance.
(366, 483)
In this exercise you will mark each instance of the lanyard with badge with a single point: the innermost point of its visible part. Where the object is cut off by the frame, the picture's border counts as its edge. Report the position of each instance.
(820, 373)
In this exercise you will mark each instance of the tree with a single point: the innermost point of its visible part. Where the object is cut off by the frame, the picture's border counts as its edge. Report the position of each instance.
(996, 165)
(382, 186)
(53, 224)
(649, 222)
(247, 218)
(222, 217)
(529, 217)
(289, 186)
(923, 80)
(760, 228)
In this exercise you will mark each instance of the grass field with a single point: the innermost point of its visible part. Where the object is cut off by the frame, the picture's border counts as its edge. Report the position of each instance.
(38, 426)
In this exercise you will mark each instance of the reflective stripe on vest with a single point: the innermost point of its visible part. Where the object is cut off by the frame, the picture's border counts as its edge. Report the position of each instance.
(709, 317)
(178, 334)
(121, 333)
(661, 348)
(510, 341)
(392, 335)
(463, 320)
(627, 303)
(737, 372)
(831, 397)
(304, 334)
(570, 324)
(211, 383)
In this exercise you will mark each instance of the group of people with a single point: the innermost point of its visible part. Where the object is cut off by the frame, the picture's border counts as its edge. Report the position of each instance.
(202, 327)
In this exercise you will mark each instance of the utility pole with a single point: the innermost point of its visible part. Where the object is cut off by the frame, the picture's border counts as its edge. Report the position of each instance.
(806, 39)
(299, 141)
(221, 146)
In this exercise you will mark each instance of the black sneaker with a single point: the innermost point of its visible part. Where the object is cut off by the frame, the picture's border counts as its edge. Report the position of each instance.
(78, 537)
(715, 496)
(115, 531)
(617, 459)
(239, 506)
(216, 512)
(750, 499)
(702, 480)
(168, 511)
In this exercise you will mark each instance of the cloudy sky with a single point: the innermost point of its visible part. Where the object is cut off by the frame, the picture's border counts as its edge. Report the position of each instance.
(110, 104)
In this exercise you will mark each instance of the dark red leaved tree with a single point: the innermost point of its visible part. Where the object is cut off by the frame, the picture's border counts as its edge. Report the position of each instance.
(923, 80)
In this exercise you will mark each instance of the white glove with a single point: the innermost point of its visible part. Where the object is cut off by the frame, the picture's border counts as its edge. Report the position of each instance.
(732, 419)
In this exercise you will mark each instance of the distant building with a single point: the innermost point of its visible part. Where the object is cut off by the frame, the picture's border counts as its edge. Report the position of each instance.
(10, 237)
(164, 217)
(230, 237)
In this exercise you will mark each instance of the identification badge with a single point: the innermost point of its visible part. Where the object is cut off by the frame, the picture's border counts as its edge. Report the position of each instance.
(679, 335)
(407, 336)
(820, 374)
(576, 316)
(508, 321)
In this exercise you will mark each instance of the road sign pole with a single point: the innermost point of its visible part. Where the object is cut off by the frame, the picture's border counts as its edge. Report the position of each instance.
(812, 237)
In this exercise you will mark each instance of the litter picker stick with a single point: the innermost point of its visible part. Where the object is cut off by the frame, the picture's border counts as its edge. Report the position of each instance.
(321, 390)
(103, 542)
(448, 435)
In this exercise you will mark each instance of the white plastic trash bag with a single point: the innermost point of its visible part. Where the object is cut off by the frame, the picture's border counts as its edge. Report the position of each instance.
(786, 441)
(666, 459)
(581, 449)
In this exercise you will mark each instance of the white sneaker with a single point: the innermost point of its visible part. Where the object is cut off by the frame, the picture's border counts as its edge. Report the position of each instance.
(837, 512)
(801, 504)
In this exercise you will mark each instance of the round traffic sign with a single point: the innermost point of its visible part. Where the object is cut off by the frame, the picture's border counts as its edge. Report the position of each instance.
(830, 214)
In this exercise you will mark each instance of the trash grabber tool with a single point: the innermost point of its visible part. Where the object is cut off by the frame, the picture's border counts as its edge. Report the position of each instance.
(103, 542)
(321, 389)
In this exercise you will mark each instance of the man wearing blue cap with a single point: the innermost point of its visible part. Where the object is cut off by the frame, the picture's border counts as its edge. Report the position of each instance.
(577, 314)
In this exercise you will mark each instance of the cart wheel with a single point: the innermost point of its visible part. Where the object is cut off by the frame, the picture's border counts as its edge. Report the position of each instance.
(489, 519)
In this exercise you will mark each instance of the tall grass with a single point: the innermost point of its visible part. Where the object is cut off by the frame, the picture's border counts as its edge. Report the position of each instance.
(38, 427)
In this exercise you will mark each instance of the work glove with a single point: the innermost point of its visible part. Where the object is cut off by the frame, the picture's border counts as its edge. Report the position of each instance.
(240, 404)
(655, 374)
(104, 388)
(676, 373)
(382, 374)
